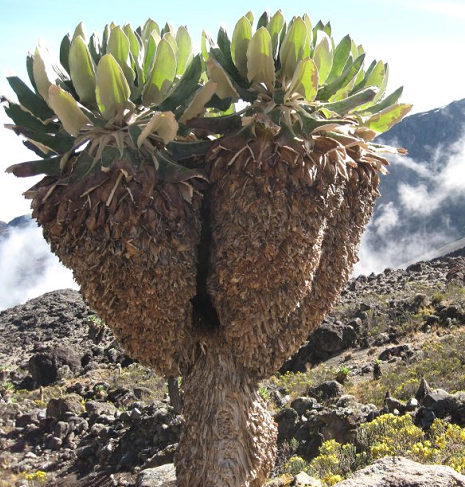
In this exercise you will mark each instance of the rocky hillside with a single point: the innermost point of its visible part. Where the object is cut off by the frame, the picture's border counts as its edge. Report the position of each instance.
(75, 411)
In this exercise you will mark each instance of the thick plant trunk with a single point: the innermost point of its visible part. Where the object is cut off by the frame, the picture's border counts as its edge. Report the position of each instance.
(229, 438)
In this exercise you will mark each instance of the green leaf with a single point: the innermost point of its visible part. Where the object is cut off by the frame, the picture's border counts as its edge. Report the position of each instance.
(119, 47)
(217, 74)
(385, 119)
(351, 103)
(150, 50)
(386, 102)
(170, 38)
(304, 81)
(33, 129)
(106, 35)
(260, 62)
(292, 48)
(149, 28)
(309, 38)
(198, 102)
(161, 78)
(168, 29)
(134, 133)
(185, 53)
(28, 99)
(95, 48)
(341, 56)
(80, 30)
(185, 150)
(64, 51)
(24, 119)
(186, 86)
(250, 17)
(263, 20)
(30, 71)
(239, 44)
(169, 170)
(323, 56)
(224, 44)
(205, 44)
(82, 70)
(66, 109)
(42, 73)
(50, 167)
(112, 90)
(274, 28)
(134, 46)
(350, 72)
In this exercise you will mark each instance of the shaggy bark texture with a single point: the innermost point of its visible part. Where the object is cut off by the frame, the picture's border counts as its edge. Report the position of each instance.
(229, 437)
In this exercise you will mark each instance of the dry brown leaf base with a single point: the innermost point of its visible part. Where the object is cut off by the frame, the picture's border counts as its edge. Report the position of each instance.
(131, 243)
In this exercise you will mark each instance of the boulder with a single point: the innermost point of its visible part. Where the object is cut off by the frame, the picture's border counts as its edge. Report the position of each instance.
(60, 407)
(401, 472)
(164, 476)
(45, 366)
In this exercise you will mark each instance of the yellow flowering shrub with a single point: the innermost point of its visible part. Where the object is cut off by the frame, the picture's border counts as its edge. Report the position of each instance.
(387, 435)
(39, 476)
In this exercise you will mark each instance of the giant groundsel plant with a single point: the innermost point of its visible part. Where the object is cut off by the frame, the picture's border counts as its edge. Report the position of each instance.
(210, 205)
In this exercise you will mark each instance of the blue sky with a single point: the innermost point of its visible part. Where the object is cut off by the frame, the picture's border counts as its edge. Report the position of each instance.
(422, 40)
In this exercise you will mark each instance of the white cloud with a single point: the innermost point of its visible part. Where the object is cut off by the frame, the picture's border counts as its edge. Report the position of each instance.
(445, 181)
(28, 268)
(387, 219)
(441, 182)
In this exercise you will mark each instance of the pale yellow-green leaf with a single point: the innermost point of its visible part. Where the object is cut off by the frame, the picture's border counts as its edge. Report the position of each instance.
(185, 53)
(217, 74)
(385, 119)
(119, 47)
(292, 48)
(42, 71)
(80, 30)
(164, 124)
(239, 43)
(274, 27)
(309, 38)
(197, 105)
(204, 47)
(82, 70)
(250, 17)
(149, 28)
(162, 75)
(260, 62)
(304, 81)
(112, 90)
(174, 45)
(323, 56)
(66, 109)
(133, 41)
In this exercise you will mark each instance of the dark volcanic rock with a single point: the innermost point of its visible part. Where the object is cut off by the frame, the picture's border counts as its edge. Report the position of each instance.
(45, 366)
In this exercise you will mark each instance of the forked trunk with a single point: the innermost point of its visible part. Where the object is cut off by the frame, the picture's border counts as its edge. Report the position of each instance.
(229, 437)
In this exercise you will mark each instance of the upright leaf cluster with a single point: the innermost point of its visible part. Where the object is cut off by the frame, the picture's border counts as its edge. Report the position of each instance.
(140, 91)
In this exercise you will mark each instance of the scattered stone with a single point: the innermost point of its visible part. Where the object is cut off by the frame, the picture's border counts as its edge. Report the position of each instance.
(401, 472)
(164, 476)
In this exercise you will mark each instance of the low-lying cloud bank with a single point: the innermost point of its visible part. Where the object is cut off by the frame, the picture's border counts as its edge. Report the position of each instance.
(420, 222)
(28, 268)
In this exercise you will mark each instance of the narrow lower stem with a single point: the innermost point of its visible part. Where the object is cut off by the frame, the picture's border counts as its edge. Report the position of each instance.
(229, 436)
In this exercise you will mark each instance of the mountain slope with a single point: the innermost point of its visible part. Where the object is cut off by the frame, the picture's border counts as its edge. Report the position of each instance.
(422, 201)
